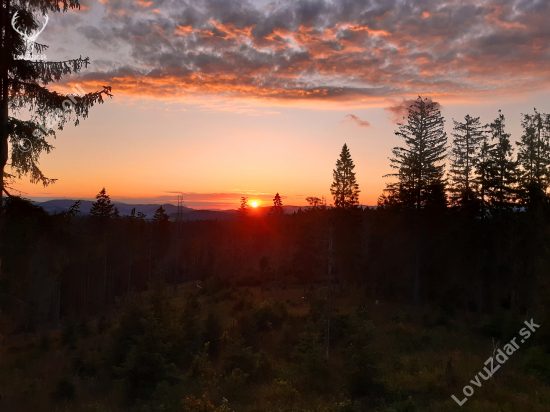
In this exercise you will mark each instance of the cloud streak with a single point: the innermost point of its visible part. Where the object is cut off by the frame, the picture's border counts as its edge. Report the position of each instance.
(358, 121)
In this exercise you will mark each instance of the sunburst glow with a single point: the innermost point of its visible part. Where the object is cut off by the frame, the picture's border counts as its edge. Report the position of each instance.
(254, 204)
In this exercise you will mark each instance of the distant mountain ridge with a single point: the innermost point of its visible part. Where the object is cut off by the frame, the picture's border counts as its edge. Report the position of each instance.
(62, 205)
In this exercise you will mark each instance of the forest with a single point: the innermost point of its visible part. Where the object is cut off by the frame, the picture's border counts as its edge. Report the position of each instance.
(436, 299)
(253, 312)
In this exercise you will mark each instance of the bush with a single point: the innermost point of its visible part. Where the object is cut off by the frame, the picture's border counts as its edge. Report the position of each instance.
(45, 342)
(65, 390)
(359, 358)
(212, 332)
(238, 356)
(241, 305)
(146, 363)
(69, 333)
(308, 354)
(283, 392)
(339, 328)
(201, 367)
(192, 404)
(403, 406)
(235, 384)
(269, 317)
(537, 363)
(501, 325)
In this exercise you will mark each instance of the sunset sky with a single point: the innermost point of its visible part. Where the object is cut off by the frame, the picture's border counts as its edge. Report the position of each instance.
(218, 99)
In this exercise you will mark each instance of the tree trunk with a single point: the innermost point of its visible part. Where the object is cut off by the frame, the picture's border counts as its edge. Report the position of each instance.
(57, 303)
(105, 274)
(3, 111)
(416, 276)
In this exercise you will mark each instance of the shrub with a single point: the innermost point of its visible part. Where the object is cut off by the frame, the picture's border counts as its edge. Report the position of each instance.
(192, 404)
(212, 332)
(537, 363)
(235, 384)
(283, 392)
(69, 333)
(201, 367)
(403, 406)
(238, 356)
(308, 353)
(146, 363)
(65, 390)
(269, 317)
(359, 359)
(45, 342)
(339, 328)
(502, 325)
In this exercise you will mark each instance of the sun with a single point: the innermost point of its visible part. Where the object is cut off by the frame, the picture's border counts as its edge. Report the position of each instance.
(254, 204)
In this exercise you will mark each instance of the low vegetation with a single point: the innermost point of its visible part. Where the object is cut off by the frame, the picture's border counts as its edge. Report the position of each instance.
(205, 351)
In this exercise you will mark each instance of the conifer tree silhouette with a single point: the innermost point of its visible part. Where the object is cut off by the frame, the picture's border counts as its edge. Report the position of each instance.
(468, 139)
(102, 207)
(160, 216)
(502, 166)
(344, 188)
(23, 84)
(242, 211)
(420, 164)
(277, 207)
(534, 158)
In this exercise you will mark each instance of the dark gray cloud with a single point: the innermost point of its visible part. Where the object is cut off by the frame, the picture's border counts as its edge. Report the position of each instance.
(328, 49)
(399, 110)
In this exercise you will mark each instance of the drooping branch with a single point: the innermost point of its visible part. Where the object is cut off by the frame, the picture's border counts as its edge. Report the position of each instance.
(47, 104)
(44, 6)
(46, 72)
(8, 193)
(26, 148)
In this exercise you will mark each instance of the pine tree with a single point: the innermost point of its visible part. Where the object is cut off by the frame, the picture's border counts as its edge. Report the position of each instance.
(419, 164)
(242, 211)
(468, 139)
(534, 157)
(160, 216)
(502, 173)
(102, 208)
(23, 85)
(345, 189)
(483, 170)
(316, 203)
(277, 207)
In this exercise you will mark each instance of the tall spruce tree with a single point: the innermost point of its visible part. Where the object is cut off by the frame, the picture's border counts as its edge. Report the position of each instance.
(160, 216)
(277, 208)
(534, 158)
(502, 166)
(483, 169)
(243, 209)
(467, 142)
(345, 189)
(102, 207)
(23, 85)
(420, 164)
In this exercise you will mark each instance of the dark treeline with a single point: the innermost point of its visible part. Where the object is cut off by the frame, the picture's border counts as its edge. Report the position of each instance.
(463, 227)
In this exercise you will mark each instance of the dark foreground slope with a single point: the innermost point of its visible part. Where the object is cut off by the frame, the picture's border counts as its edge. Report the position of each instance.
(244, 349)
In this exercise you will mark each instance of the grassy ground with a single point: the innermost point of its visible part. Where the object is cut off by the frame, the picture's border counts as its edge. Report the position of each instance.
(420, 358)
